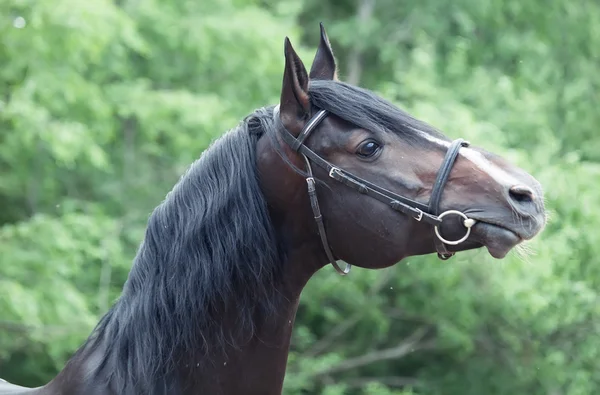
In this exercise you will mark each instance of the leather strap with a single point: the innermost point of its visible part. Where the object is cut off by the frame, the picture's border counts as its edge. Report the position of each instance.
(306, 130)
(314, 203)
(438, 190)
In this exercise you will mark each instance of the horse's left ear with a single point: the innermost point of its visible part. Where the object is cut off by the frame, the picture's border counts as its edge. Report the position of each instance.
(294, 105)
(323, 67)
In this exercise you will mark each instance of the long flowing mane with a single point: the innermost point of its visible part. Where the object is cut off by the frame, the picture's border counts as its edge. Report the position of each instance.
(209, 250)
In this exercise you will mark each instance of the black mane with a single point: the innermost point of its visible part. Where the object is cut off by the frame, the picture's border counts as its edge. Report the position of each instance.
(210, 251)
(209, 247)
(365, 109)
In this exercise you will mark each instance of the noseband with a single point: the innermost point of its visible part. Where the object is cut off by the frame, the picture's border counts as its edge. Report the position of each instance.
(418, 211)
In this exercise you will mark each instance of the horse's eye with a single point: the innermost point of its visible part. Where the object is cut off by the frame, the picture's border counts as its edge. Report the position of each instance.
(368, 149)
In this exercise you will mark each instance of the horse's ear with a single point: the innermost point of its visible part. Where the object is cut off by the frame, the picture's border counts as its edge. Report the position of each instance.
(294, 104)
(323, 67)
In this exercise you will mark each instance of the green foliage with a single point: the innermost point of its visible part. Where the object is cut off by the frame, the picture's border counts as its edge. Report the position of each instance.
(104, 104)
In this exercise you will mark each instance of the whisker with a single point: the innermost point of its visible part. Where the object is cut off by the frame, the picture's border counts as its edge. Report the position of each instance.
(525, 252)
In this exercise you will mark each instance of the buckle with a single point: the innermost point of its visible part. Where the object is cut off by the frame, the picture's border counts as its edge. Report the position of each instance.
(311, 185)
(419, 216)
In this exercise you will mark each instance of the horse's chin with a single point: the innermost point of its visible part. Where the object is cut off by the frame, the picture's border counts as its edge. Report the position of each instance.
(497, 239)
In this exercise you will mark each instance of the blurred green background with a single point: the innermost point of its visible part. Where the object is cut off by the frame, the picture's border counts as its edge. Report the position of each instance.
(103, 104)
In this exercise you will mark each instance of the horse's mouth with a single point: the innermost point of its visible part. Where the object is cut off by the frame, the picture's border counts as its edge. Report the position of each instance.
(499, 240)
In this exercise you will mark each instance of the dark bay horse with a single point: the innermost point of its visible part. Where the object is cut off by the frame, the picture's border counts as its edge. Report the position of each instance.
(332, 173)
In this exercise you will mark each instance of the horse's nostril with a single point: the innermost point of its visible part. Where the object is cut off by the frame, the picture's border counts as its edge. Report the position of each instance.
(521, 193)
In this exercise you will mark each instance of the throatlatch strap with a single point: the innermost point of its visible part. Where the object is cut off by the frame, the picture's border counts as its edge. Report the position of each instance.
(314, 203)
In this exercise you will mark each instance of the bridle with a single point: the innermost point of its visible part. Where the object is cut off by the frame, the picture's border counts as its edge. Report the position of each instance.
(428, 213)
(418, 211)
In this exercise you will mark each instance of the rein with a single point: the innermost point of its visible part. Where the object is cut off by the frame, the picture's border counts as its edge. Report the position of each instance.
(428, 213)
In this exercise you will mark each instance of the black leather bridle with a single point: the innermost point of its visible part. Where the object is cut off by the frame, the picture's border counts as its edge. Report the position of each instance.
(418, 211)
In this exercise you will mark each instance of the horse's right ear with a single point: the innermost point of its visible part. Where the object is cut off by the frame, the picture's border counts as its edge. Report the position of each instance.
(294, 105)
(323, 67)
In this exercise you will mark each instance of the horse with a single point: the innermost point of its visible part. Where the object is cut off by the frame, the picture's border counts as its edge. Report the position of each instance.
(331, 175)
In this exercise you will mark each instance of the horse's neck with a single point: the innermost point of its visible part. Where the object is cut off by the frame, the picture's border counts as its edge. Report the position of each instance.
(258, 366)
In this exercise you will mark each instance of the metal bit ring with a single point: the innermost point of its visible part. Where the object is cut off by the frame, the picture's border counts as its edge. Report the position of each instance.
(467, 223)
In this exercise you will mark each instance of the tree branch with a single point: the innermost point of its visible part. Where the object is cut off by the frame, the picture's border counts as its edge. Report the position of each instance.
(392, 381)
(363, 14)
(408, 346)
(324, 343)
